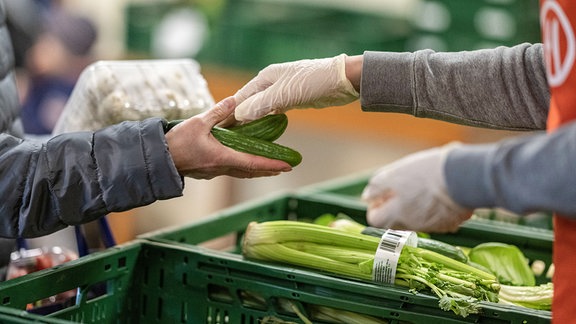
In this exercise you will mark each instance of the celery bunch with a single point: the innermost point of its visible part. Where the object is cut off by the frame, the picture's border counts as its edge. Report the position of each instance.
(458, 286)
(535, 297)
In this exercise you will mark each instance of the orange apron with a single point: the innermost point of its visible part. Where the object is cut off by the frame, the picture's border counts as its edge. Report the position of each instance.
(557, 19)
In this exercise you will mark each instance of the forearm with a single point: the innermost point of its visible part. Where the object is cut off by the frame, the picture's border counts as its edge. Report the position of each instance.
(502, 88)
(77, 177)
(354, 70)
(526, 174)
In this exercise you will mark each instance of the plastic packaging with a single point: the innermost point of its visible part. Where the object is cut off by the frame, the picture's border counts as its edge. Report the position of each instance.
(109, 92)
(25, 261)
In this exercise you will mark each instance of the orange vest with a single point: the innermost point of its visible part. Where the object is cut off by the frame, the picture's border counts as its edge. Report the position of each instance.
(557, 19)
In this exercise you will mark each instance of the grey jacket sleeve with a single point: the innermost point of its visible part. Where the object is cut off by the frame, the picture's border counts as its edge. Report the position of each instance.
(501, 88)
(75, 178)
(524, 174)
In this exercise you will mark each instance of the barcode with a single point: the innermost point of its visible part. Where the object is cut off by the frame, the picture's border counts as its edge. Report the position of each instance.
(390, 241)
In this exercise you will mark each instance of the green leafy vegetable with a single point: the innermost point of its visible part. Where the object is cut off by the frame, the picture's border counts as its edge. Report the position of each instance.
(506, 261)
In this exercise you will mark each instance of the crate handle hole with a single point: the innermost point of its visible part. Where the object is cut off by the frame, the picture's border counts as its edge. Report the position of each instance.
(252, 299)
(50, 304)
(6, 300)
(220, 293)
(122, 262)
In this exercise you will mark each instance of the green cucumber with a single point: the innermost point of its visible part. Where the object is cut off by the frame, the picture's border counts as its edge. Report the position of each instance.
(445, 249)
(171, 124)
(268, 128)
(256, 146)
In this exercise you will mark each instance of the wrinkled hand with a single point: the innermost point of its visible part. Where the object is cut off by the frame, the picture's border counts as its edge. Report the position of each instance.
(411, 194)
(198, 154)
(301, 84)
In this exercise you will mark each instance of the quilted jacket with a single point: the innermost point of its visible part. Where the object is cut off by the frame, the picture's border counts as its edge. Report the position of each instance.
(74, 178)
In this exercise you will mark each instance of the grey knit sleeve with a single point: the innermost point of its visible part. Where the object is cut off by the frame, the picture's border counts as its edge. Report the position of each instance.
(524, 174)
(501, 88)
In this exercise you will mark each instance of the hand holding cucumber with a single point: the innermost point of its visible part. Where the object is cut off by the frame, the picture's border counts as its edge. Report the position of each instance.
(197, 153)
(301, 84)
(411, 194)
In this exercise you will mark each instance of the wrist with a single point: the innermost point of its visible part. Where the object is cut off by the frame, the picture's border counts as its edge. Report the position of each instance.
(353, 70)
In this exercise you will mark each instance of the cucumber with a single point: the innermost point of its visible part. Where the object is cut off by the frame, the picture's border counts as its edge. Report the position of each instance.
(445, 249)
(256, 146)
(373, 231)
(171, 124)
(268, 128)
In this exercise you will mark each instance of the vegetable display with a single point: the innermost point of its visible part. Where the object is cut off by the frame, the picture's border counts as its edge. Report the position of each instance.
(459, 287)
(256, 137)
(492, 272)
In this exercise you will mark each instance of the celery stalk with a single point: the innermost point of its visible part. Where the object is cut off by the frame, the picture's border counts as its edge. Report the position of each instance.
(458, 286)
(535, 297)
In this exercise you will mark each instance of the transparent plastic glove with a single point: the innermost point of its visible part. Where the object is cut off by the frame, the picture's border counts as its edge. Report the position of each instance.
(277, 88)
(411, 194)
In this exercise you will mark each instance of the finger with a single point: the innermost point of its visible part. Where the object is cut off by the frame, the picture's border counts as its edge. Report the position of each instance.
(222, 110)
(230, 120)
(254, 163)
(386, 215)
(251, 88)
(243, 174)
(253, 108)
(373, 191)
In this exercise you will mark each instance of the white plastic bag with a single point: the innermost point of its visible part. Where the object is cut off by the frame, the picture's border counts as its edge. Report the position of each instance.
(109, 92)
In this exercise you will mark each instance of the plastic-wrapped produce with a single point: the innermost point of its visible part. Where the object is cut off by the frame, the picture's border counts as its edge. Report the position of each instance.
(109, 92)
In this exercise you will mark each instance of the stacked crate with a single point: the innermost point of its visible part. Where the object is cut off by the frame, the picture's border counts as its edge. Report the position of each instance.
(455, 25)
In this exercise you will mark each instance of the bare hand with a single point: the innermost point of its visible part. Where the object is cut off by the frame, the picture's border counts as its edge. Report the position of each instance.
(198, 154)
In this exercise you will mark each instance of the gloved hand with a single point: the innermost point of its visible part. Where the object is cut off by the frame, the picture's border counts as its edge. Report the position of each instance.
(301, 84)
(411, 194)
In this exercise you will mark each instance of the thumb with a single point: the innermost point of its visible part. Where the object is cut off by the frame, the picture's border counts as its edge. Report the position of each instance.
(222, 110)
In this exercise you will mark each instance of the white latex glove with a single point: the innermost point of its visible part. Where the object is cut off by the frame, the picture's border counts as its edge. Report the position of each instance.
(277, 88)
(411, 194)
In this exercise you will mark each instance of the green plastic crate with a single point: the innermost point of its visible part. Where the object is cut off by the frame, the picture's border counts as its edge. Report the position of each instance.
(362, 297)
(454, 25)
(254, 34)
(172, 276)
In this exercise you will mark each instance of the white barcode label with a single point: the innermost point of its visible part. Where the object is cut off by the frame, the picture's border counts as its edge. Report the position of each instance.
(388, 253)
